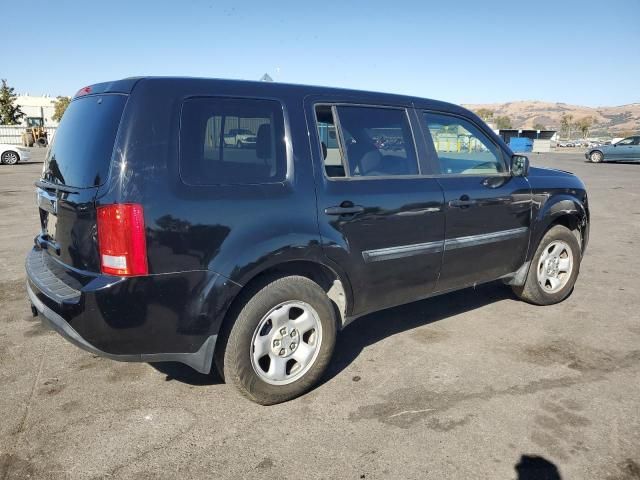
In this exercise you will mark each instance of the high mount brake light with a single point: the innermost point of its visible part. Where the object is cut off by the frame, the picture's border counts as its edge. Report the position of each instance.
(121, 240)
(83, 91)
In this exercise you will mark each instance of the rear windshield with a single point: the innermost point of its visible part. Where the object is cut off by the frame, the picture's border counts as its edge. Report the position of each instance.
(82, 146)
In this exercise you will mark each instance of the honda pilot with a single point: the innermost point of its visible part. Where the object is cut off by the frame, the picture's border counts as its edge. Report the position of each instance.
(169, 233)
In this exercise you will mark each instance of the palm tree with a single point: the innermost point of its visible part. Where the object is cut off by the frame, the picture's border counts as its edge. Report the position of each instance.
(566, 124)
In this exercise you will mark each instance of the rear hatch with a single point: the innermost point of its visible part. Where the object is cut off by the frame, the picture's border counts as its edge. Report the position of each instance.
(77, 164)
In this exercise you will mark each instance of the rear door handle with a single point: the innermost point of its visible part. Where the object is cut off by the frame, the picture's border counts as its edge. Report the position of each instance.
(461, 203)
(346, 210)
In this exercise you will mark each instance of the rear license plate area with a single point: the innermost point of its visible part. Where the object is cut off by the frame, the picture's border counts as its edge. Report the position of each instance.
(51, 224)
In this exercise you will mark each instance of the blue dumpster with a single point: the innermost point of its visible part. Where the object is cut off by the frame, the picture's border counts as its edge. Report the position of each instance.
(521, 144)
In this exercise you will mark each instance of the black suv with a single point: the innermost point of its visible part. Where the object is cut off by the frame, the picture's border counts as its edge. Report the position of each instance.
(163, 241)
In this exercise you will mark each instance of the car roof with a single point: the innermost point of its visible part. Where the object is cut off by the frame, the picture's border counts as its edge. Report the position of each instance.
(126, 86)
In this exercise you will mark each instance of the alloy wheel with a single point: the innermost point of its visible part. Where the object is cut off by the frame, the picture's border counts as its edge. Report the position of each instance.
(10, 158)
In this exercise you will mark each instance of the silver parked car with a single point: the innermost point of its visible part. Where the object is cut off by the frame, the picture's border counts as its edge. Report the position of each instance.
(626, 150)
(11, 154)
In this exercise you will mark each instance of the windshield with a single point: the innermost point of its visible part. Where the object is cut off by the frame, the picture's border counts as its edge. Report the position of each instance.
(83, 144)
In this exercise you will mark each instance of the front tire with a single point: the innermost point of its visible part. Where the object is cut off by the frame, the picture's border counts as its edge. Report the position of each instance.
(596, 156)
(9, 158)
(553, 270)
(281, 342)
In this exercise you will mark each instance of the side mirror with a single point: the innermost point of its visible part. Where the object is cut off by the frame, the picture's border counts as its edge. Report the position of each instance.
(519, 166)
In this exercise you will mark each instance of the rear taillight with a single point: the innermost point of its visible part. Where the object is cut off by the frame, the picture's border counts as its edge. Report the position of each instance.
(121, 239)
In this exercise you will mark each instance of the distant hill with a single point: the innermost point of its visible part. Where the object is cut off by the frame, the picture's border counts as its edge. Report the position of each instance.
(608, 120)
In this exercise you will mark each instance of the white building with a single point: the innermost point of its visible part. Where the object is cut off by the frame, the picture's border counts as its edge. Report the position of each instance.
(33, 106)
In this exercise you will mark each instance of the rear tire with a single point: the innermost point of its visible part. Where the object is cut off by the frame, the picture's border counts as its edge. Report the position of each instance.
(553, 270)
(281, 341)
(596, 156)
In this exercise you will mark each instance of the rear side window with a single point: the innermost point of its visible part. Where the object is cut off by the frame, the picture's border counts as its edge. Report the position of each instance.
(378, 141)
(333, 164)
(80, 154)
(232, 142)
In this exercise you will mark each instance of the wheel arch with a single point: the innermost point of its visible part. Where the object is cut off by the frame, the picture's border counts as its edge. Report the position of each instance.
(567, 211)
(326, 276)
(563, 210)
(330, 278)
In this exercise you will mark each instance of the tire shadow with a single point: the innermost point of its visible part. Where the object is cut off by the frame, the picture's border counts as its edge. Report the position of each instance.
(185, 374)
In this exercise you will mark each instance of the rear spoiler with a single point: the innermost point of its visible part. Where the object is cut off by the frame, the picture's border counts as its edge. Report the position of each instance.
(117, 86)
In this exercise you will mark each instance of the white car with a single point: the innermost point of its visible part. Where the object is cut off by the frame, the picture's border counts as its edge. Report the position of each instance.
(11, 154)
(240, 138)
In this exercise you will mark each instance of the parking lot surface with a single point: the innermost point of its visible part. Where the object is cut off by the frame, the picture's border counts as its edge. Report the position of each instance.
(473, 384)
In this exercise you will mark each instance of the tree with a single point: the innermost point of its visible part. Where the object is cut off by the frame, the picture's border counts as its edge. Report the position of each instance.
(539, 126)
(485, 114)
(566, 124)
(503, 122)
(10, 113)
(584, 124)
(60, 105)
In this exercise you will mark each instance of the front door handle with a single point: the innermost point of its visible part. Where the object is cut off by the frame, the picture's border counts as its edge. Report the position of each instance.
(344, 209)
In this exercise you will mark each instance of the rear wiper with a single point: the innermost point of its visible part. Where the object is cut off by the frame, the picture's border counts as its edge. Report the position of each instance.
(50, 185)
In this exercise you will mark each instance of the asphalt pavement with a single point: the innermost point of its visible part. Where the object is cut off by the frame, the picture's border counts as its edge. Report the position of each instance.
(473, 384)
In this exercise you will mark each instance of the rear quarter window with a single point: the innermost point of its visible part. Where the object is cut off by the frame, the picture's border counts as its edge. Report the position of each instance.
(231, 141)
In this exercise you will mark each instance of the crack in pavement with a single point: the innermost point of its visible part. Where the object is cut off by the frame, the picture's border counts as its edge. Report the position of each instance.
(424, 402)
(23, 421)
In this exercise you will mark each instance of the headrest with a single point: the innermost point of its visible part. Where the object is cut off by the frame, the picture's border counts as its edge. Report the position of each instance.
(370, 162)
(263, 141)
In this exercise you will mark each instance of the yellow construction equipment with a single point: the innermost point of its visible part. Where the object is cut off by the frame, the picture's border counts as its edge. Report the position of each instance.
(35, 133)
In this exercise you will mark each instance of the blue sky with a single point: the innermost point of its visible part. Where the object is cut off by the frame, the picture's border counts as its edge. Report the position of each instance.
(460, 51)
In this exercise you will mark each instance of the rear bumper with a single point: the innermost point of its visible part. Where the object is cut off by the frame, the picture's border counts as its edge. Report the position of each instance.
(199, 360)
(154, 318)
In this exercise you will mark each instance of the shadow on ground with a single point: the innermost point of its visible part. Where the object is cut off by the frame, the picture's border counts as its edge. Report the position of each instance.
(372, 328)
(185, 374)
(533, 467)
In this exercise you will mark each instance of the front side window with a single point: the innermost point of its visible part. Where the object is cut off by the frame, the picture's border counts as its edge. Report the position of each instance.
(629, 141)
(461, 147)
(232, 142)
